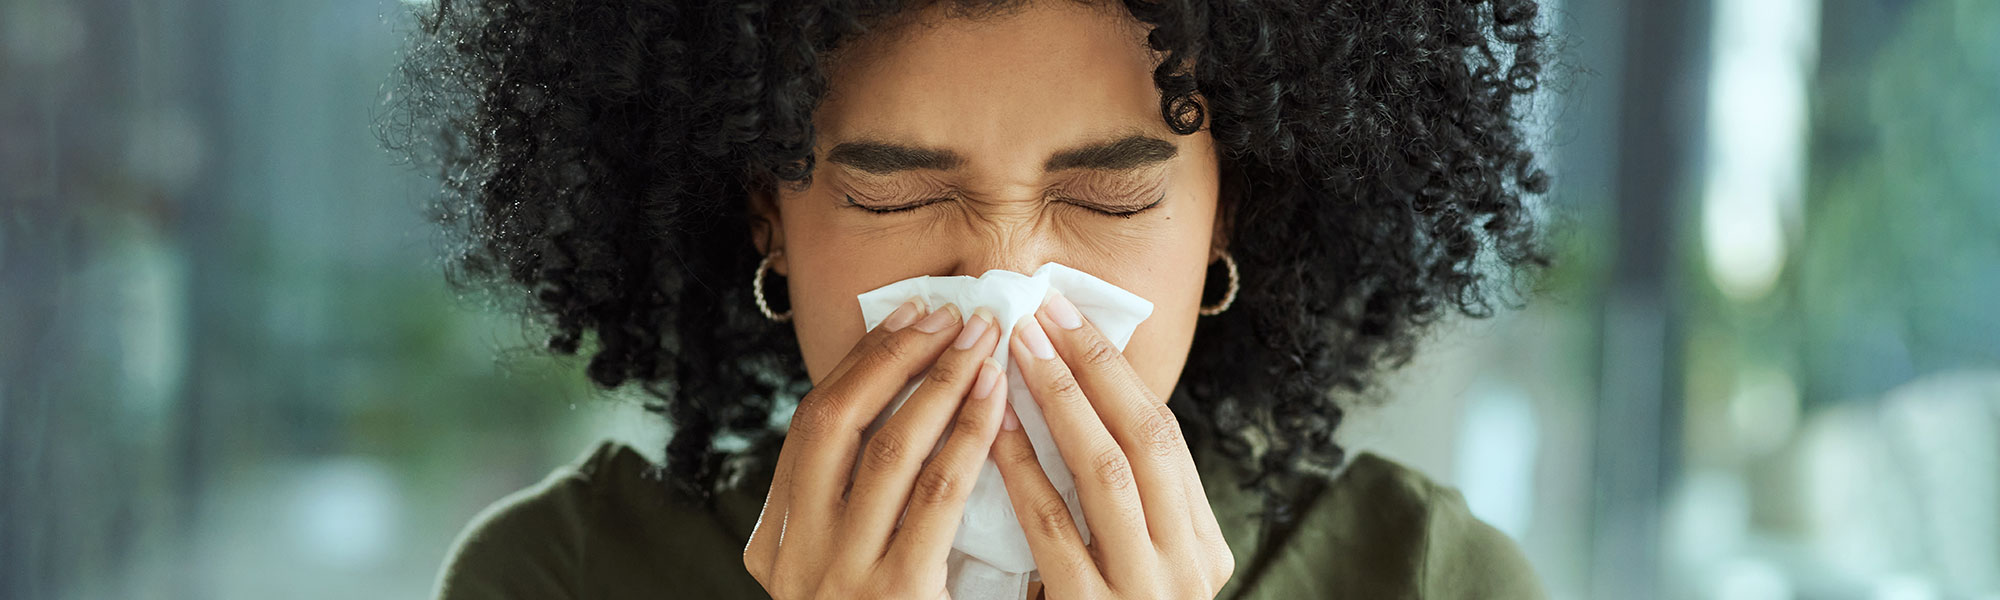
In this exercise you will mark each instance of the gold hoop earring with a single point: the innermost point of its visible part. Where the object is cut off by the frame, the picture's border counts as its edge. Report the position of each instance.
(1228, 297)
(757, 290)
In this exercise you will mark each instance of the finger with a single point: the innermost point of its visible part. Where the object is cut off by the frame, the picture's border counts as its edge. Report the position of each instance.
(761, 551)
(1206, 527)
(760, 554)
(1209, 543)
(909, 312)
(826, 428)
(937, 501)
(781, 479)
(1137, 419)
(1103, 472)
(898, 450)
(1052, 534)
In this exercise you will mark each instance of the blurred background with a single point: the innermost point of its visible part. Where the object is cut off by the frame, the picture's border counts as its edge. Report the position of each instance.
(1767, 366)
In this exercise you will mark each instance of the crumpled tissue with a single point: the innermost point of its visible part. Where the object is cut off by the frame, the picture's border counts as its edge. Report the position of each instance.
(990, 557)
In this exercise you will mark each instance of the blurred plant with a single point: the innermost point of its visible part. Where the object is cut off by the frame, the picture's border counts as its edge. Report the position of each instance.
(1899, 265)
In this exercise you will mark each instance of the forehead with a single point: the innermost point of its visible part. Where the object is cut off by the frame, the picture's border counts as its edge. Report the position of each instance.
(1003, 88)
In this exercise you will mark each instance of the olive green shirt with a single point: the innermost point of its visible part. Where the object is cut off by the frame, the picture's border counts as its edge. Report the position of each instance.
(605, 527)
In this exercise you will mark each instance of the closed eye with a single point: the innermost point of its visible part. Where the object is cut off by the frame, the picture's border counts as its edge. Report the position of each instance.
(1126, 212)
(893, 209)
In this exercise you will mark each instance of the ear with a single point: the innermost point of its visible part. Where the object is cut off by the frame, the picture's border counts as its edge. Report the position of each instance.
(767, 227)
(1219, 240)
(1228, 198)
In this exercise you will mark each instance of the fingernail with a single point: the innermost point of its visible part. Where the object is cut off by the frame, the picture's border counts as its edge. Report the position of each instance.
(1036, 340)
(1062, 312)
(939, 319)
(903, 317)
(973, 329)
(1010, 422)
(989, 379)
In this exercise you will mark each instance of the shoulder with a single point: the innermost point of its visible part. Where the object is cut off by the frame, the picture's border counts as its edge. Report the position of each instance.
(602, 526)
(1465, 557)
(1379, 529)
(527, 544)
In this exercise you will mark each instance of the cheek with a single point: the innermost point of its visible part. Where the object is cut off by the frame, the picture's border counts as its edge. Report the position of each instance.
(1159, 347)
(1159, 350)
(1168, 271)
(826, 273)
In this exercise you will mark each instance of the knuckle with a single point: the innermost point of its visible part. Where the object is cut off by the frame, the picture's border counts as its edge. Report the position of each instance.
(1211, 538)
(892, 350)
(753, 563)
(887, 449)
(1052, 517)
(1225, 566)
(1112, 468)
(818, 414)
(1098, 352)
(1063, 387)
(1016, 456)
(970, 421)
(1162, 431)
(935, 487)
(946, 371)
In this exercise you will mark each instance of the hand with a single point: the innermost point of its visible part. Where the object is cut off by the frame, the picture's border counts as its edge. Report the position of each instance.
(824, 534)
(1153, 532)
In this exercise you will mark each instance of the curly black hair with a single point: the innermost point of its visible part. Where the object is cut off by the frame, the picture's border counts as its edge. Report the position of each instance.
(597, 158)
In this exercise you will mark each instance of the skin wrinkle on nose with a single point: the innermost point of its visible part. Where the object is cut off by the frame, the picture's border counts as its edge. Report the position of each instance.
(1010, 242)
(1055, 229)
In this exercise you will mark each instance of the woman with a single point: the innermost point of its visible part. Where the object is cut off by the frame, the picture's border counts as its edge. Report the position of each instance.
(703, 189)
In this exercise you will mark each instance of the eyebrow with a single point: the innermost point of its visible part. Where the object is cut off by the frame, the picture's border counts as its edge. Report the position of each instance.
(882, 159)
(1122, 154)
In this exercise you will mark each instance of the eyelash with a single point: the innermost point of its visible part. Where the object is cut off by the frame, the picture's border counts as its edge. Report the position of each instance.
(1121, 213)
(894, 209)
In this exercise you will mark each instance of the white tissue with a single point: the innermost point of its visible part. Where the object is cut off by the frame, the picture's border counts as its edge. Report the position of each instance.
(988, 534)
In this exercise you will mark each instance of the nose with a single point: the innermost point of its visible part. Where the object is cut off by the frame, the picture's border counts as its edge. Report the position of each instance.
(1018, 247)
